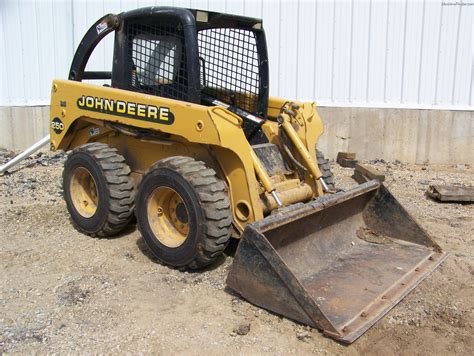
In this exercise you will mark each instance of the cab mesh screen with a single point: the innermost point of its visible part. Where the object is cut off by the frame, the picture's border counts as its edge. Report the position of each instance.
(229, 66)
(158, 60)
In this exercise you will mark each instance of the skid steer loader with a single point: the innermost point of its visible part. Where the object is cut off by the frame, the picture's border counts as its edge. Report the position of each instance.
(184, 136)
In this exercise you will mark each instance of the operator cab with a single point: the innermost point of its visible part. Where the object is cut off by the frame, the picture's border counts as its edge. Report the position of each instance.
(196, 56)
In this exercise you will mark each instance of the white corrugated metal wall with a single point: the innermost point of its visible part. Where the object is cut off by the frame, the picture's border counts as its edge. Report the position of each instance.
(387, 53)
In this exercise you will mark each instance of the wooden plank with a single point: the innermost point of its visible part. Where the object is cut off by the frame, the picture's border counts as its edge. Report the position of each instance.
(347, 163)
(346, 159)
(369, 172)
(346, 155)
(451, 193)
(359, 177)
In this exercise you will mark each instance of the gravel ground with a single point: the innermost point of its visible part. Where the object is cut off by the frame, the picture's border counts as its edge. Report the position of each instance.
(64, 292)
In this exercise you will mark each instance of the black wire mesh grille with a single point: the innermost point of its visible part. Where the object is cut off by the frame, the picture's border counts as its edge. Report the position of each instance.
(229, 66)
(158, 60)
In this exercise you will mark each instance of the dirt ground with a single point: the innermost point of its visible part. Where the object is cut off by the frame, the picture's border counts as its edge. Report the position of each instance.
(64, 292)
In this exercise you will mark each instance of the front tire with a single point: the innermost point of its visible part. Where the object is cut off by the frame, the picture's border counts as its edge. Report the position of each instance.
(183, 212)
(98, 190)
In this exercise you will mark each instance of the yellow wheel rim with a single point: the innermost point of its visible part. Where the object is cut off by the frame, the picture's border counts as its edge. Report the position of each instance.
(83, 192)
(168, 217)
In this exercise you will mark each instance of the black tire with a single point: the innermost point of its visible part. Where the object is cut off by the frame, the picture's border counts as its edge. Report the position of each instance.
(208, 214)
(114, 188)
(325, 169)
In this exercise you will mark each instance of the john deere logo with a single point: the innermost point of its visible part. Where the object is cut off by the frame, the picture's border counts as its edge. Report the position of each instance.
(159, 114)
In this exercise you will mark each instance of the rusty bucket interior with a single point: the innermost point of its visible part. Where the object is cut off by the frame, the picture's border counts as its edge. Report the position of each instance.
(338, 263)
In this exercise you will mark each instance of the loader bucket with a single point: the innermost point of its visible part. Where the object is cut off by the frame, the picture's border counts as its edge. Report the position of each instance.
(338, 263)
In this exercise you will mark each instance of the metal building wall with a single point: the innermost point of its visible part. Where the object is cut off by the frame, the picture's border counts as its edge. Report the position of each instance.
(387, 53)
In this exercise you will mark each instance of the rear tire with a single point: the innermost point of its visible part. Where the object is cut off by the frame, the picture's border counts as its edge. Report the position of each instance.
(98, 190)
(325, 169)
(183, 212)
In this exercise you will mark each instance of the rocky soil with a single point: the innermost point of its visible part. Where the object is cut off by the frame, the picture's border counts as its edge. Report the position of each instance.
(64, 292)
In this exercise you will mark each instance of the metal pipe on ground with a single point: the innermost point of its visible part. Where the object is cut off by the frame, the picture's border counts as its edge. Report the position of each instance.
(26, 153)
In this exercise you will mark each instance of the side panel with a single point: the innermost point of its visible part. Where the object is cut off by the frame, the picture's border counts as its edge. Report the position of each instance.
(71, 100)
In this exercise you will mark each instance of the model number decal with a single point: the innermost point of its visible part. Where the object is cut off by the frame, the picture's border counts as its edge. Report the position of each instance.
(158, 114)
(57, 125)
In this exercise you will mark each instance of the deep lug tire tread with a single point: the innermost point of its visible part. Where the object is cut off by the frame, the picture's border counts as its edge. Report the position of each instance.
(325, 169)
(120, 187)
(214, 202)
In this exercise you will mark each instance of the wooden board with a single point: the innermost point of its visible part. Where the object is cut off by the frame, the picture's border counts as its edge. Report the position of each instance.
(369, 172)
(453, 193)
(359, 177)
(347, 163)
(346, 155)
(346, 159)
